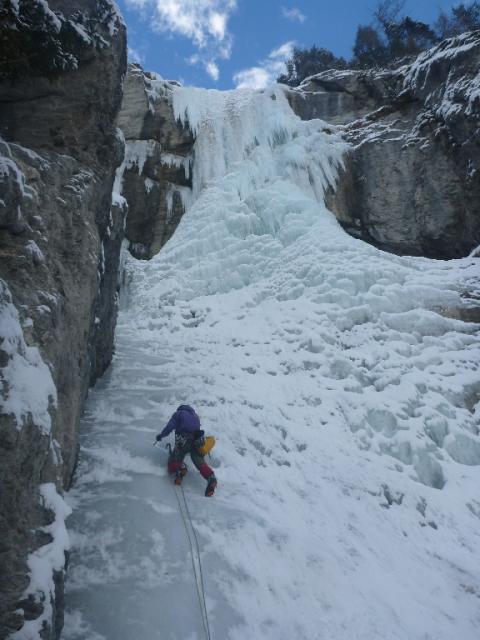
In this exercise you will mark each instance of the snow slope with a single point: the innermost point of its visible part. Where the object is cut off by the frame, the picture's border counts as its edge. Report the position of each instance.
(341, 388)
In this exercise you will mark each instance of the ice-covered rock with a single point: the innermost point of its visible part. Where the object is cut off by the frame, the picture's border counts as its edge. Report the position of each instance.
(156, 174)
(411, 182)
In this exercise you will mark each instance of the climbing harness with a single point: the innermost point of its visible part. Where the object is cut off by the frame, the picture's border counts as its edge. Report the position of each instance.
(195, 555)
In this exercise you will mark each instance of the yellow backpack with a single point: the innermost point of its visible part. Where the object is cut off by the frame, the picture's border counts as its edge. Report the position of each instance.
(207, 446)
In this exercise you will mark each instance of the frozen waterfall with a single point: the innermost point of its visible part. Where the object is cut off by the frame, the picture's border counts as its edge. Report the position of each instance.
(343, 393)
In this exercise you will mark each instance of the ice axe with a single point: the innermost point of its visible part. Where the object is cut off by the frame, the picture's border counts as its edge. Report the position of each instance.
(167, 446)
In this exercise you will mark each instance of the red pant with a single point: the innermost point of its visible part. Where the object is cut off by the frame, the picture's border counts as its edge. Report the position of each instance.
(184, 445)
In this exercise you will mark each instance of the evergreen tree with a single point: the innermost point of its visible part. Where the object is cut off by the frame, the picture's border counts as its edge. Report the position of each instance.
(391, 37)
(462, 18)
(409, 37)
(368, 50)
(308, 62)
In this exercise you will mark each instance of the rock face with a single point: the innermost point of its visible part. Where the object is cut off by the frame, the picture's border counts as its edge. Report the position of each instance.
(340, 97)
(60, 240)
(156, 173)
(411, 184)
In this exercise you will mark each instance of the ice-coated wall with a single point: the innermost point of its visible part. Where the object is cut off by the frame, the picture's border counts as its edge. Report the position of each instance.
(155, 177)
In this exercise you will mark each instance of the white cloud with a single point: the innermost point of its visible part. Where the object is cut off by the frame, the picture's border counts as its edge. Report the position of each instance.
(253, 78)
(218, 25)
(284, 52)
(204, 22)
(212, 70)
(266, 72)
(210, 66)
(294, 14)
(193, 59)
(134, 55)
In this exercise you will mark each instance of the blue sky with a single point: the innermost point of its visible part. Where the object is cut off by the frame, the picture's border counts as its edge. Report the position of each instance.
(228, 43)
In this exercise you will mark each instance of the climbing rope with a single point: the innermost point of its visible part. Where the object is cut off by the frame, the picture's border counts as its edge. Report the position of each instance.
(202, 582)
(195, 555)
(194, 552)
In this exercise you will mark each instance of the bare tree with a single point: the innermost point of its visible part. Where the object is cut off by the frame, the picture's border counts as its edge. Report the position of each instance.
(463, 17)
(389, 12)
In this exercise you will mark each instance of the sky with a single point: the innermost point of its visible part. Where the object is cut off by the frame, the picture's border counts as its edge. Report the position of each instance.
(225, 44)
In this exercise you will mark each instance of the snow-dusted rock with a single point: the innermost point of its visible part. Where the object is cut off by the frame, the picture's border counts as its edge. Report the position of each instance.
(60, 244)
(341, 96)
(411, 184)
(155, 176)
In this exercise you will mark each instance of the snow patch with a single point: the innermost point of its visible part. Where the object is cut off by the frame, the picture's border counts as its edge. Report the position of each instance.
(149, 184)
(114, 18)
(80, 29)
(29, 389)
(55, 22)
(446, 50)
(46, 560)
(34, 251)
(9, 169)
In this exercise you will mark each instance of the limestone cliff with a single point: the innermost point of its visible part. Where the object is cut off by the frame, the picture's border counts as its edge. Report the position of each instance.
(60, 90)
(156, 174)
(411, 183)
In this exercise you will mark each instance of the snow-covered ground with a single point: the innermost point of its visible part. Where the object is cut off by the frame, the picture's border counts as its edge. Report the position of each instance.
(344, 398)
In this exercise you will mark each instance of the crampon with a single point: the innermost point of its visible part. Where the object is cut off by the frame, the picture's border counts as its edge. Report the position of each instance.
(180, 474)
(210, 490)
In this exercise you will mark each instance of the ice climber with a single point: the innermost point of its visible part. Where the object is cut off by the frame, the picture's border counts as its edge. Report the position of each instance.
(188, 439)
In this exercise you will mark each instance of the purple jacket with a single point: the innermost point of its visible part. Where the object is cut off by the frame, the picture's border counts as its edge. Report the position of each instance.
(184, 420)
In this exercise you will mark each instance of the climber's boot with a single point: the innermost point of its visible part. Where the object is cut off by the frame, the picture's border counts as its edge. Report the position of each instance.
(180, 474)
(211, 486)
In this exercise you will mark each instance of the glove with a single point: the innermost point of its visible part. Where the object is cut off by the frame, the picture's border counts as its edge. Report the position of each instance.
(158, 438)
